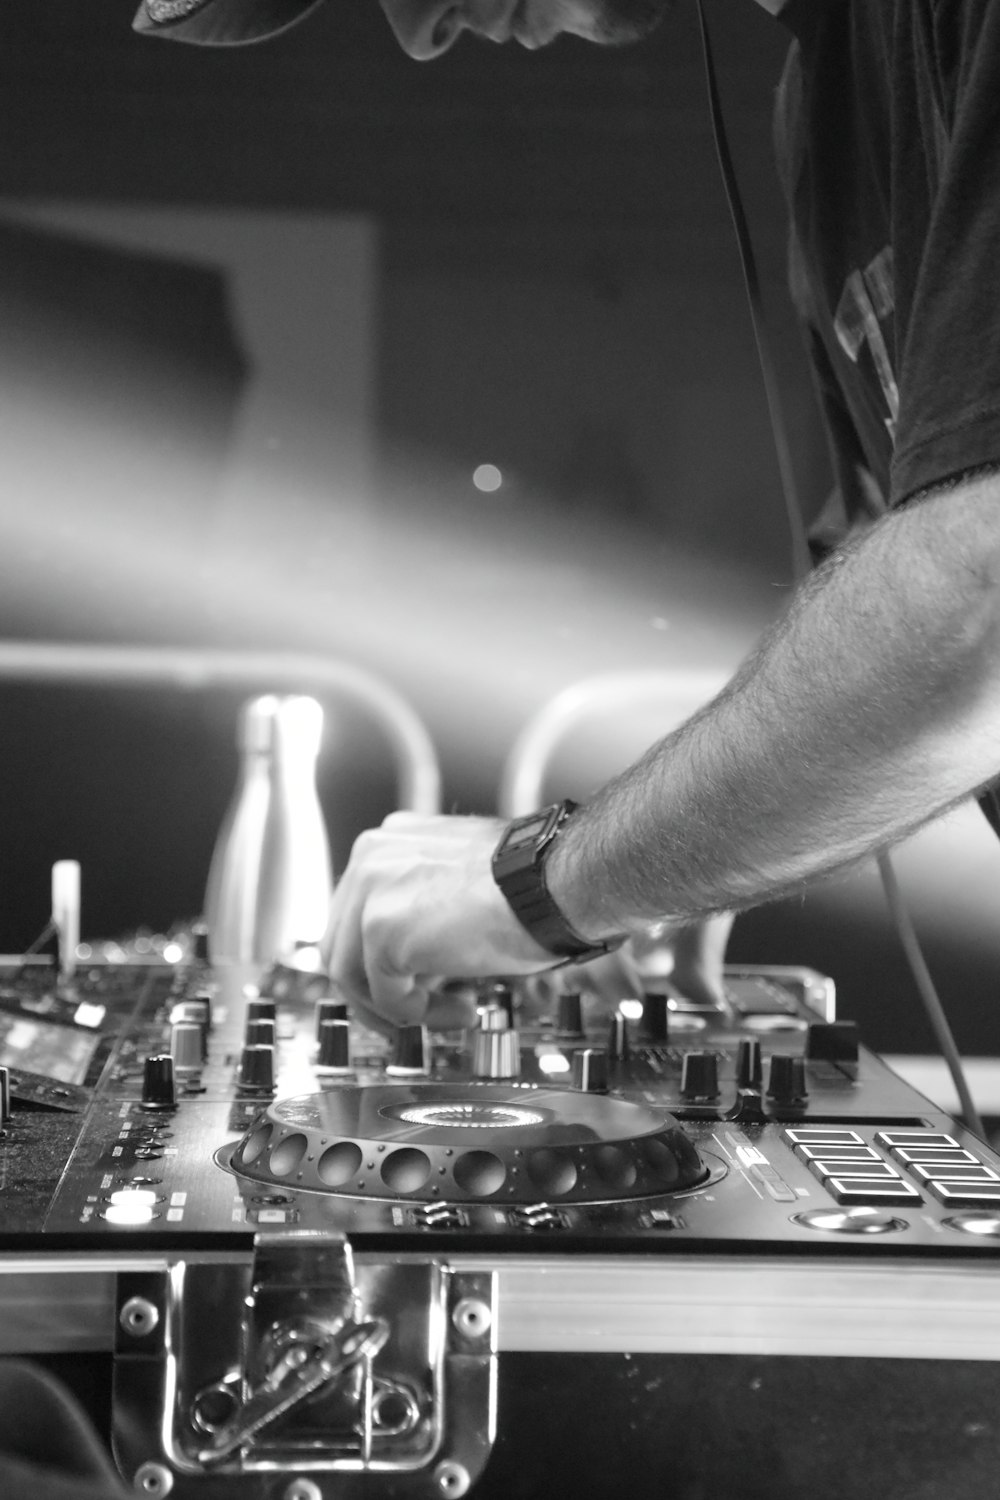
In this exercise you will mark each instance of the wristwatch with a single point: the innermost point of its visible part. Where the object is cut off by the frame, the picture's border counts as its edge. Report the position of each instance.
(519, 870)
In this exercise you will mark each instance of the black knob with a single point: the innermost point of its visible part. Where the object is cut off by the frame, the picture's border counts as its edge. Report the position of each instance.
(256, 1070)
(655, 1016)
(700, 1076)
(334, 1047)
(261, 1010)
(749, 1067)
(259, 1034)
(329, 1010)
(618, 1038)
(410, 1051)
(569, 1015)
(158, 1082)
(786, 1082)
(590, 1070)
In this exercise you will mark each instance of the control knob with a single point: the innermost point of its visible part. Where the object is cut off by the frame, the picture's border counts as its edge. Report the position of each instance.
(410, 1052)
(496, 1049)
(655, 1016)
(618, 1038)
(700, 1077)
(590, 1070)
(749, 1067)
(158, 1090)
(569, 1015)
(329, 1010)
(786, 1083)
(334, 1054)
(256, 1070)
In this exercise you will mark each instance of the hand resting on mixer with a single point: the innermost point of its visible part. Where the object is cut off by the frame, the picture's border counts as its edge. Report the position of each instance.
(417, 905)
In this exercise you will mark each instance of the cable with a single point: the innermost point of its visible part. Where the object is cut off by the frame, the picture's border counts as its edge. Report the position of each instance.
(802, 564)
(928, 994)
(801, 557)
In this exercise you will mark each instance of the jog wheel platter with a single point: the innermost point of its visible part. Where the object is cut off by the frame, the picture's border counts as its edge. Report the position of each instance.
(467, 1142)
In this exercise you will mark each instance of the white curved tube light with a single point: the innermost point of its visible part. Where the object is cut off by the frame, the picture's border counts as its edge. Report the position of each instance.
(523, 776)
(417, 766)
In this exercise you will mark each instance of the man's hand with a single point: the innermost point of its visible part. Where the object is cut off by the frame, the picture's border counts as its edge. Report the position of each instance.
(417, 904)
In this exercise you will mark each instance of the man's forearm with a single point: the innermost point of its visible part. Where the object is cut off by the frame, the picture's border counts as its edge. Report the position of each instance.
(871, 707)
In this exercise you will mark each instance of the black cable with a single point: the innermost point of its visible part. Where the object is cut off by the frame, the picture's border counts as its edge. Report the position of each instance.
(802, 564)
(801, 557)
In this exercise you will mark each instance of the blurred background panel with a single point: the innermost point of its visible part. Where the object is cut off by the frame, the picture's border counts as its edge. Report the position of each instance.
(441, 369)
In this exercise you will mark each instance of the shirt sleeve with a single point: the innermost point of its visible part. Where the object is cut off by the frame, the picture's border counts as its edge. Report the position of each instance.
(948, 171)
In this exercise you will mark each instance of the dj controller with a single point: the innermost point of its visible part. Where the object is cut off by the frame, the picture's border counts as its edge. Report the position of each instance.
(320, 1261)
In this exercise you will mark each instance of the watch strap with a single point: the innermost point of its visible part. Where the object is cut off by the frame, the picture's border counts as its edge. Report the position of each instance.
(519, 870)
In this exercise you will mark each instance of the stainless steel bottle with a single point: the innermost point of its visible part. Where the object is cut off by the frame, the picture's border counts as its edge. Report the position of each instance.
(270, 880)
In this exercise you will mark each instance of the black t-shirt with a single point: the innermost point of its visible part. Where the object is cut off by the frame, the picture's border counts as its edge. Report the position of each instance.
(888, 137)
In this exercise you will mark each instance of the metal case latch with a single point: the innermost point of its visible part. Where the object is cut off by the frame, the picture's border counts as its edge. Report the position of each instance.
(301, 1374)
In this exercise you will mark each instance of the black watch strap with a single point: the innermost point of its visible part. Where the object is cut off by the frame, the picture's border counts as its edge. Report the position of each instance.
(519, 871)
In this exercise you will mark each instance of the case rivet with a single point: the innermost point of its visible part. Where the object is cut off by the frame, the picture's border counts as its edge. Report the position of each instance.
(303, 1489)
(153, 1480)
(472, 1318)
(138, 1317)
(452, 1480)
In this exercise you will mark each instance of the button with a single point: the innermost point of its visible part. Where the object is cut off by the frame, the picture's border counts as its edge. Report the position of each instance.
(837, 1153)
(965, 1192)
(866, 1170)
(849, 1220)
(930, 1154)
(959, 1172)
(871, 1190)
(823, 1135)
(984, 1224)
(914, 1138)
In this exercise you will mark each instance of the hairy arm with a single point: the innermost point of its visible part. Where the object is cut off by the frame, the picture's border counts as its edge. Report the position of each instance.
(872, 706)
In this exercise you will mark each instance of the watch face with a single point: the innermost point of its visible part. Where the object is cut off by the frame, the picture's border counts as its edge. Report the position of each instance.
(527, 831)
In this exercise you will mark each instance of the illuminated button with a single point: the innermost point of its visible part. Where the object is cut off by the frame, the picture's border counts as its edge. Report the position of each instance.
(133, 1195)
(837, 1153)
(871, 1190)
(129, 1213)
(865, 1169)
(965, 1192)
(914, 1138)
(823, 1135)
(931, 1154)
(954, 1172)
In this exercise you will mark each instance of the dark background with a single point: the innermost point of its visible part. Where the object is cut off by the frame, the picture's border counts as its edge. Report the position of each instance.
(556, 291)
